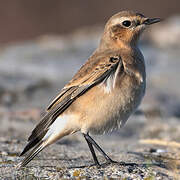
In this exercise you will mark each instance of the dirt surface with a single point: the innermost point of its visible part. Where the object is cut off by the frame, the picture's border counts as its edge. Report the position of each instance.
(33, 72)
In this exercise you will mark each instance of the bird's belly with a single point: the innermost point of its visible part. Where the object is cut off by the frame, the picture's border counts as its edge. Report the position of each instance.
(111, 110)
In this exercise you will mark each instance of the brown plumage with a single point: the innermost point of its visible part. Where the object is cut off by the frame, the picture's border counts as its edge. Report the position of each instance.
(103, 93)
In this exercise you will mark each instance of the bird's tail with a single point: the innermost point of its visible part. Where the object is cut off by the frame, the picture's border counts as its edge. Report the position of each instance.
(57, 130)
(44, 142)
(38, 148)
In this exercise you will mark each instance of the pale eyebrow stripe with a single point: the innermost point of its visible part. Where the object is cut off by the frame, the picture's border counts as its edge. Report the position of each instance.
(120, 20)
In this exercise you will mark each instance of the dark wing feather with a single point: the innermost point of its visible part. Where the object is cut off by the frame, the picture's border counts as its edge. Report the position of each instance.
(63, 91)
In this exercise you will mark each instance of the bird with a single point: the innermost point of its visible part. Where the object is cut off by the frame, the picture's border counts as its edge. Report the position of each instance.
(102, 95)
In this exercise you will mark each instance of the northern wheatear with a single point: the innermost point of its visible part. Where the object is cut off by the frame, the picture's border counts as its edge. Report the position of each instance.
(103, 93)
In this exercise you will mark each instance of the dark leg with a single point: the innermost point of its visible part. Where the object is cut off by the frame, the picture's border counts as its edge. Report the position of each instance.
(91, 141)
(92, 151)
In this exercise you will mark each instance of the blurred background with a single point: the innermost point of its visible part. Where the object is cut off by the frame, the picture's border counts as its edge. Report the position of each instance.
(43, 43)
(22, 20)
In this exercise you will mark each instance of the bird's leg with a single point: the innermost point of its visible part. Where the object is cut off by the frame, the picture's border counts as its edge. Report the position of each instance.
(92, 151)
(92, 142)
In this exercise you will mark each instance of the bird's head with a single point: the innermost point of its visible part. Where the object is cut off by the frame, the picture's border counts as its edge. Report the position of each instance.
(125, 28)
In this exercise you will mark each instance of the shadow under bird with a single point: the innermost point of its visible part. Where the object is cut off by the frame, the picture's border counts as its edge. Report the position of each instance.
(102, 95)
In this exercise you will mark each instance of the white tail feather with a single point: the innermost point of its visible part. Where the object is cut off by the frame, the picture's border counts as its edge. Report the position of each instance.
(57, 127)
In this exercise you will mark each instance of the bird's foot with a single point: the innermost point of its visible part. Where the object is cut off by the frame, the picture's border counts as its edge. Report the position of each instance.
(110, 161)
(97, 165)
(122, 163)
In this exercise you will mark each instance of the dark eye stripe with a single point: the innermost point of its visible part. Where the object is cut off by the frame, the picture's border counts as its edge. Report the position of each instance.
(138, 23)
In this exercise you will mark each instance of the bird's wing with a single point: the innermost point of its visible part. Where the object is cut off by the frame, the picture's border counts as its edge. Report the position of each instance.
(91, 73)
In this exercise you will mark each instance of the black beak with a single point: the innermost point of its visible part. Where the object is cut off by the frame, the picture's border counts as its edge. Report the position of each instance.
(151, 21)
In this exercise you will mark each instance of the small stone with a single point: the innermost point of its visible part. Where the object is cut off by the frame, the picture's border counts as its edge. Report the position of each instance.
(4, 153)
(76, 173)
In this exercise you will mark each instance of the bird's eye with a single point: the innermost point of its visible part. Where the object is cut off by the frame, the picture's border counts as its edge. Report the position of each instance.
(126, 23)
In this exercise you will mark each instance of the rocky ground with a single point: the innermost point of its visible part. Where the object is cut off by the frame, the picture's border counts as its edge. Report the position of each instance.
(32, 73)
